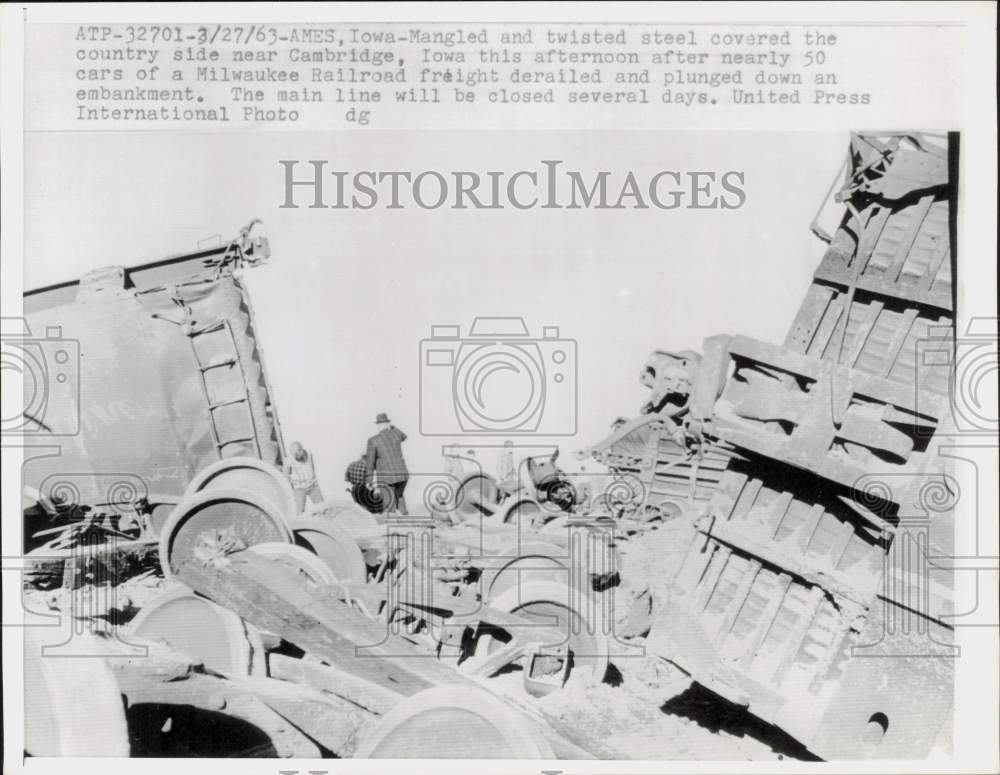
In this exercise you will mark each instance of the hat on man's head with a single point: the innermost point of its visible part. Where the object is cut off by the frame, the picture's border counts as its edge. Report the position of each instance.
(382, 417)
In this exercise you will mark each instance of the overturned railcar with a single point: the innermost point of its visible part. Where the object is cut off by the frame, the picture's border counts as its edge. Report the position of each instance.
(137, 378)
(810, 477)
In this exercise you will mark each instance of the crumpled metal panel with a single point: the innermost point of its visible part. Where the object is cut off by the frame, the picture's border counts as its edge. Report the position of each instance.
(806, 593)
(894, 698)
(140, 408)
(813, 414)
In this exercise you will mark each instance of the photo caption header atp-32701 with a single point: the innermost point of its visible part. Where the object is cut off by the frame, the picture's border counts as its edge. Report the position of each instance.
(144, 76)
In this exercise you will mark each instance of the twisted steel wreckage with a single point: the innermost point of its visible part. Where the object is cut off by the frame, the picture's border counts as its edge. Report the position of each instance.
(764, 529)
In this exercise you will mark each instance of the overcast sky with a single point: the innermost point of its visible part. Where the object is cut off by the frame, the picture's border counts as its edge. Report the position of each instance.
(349, 294)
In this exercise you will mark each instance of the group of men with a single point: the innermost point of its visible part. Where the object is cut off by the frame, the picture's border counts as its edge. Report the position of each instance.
(379, 476)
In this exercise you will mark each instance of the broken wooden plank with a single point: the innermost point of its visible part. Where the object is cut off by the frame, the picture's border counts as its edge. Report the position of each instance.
(262, 592)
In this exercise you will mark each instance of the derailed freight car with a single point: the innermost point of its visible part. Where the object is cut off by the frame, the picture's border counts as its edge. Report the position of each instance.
(802, 484)
(151, 435)
(135, 379)
(811, 480)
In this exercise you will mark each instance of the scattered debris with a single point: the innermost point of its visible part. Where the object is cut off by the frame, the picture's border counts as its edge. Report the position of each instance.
(700, 597)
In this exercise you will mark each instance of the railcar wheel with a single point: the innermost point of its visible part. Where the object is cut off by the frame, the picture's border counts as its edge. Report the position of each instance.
(207, 633)
(218, 521)
(454, 722)
(247, 473)
(552, 605)
(523, 512)
(477, 496)
(528, 562)
(348, 517)
(333, 546)
(299, 560)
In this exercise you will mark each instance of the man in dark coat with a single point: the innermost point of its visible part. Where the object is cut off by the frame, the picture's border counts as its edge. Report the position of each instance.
(384, 460)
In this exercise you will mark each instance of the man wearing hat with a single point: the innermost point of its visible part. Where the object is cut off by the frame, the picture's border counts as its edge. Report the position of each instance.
(384, 459)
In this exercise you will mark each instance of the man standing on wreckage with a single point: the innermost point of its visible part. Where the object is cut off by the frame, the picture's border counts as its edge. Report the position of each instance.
(301, 473)
(384, 462)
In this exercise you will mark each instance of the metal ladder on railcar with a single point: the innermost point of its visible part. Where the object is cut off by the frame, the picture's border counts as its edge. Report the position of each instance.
(222, 333)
